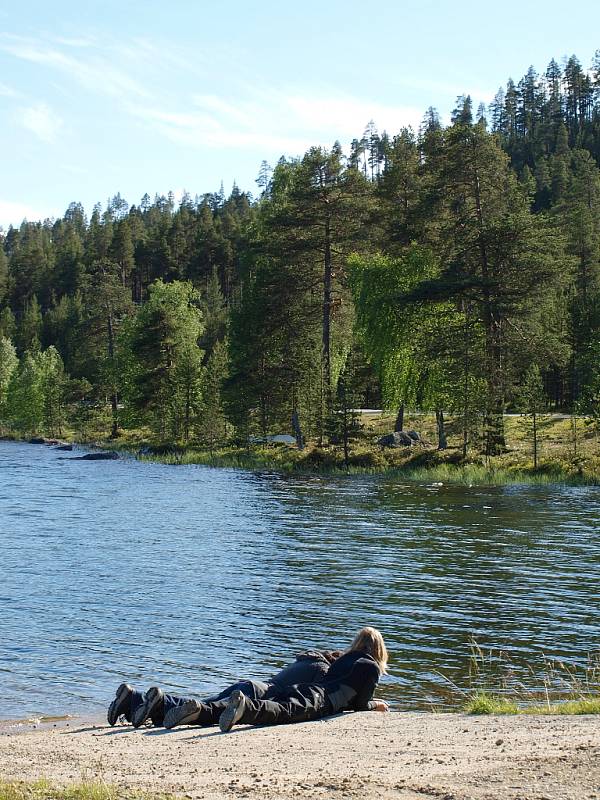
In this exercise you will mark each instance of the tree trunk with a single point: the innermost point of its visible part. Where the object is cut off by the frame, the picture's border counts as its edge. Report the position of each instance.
(188, 413)
(327, 279)
(441, 429)
(114, 400)
(399, 424)
(494, 414)
(494, 417)
(466, 368)
(297, 430)
(346, 454)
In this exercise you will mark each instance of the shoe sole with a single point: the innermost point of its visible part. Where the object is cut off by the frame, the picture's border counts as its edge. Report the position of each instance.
(120, 696)
(185, 714)
(153, 697)
(233, 712)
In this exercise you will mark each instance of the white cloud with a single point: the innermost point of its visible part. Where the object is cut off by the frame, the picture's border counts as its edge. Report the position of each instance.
(7, 91)
(15, 213)
(274, 122)
(345, 117)
(42, 121)
(94, 72)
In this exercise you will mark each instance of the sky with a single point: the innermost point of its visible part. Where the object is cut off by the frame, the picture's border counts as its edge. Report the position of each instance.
(126, 96)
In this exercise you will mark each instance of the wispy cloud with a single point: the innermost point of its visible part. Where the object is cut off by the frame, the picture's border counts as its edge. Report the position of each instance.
(95, 72)
(141, 78)
(274, 122)
(8, 91)
(42, 121)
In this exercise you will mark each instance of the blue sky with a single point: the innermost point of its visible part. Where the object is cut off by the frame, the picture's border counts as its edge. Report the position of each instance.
(135, 97)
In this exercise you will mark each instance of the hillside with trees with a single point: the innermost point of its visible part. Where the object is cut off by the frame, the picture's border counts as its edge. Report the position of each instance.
(454, 269)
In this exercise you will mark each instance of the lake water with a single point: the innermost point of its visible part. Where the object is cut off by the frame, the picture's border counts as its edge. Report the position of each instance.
(190, 577)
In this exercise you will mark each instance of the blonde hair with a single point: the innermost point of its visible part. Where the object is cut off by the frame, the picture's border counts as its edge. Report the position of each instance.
(371, 641)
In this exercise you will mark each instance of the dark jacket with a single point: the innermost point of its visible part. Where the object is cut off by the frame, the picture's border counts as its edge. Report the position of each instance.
(309, 667)
(351, 681)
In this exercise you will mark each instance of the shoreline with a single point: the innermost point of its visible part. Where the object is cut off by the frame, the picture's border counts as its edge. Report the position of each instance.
(370, 755)
(420, 467)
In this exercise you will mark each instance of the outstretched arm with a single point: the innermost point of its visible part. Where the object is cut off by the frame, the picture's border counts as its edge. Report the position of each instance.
(378, 705)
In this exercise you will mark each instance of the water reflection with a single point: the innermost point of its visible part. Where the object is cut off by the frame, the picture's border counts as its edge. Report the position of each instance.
(190, 576)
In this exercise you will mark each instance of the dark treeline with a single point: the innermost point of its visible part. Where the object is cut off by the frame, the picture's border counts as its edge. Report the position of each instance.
(454, 269)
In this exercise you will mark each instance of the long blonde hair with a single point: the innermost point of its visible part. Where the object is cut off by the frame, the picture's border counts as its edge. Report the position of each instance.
(369, 640)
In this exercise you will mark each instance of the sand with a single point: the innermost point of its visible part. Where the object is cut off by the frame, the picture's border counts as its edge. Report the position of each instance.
(367, 755)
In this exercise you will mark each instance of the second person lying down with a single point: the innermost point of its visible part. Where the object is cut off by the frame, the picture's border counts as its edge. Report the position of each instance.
(163, 708)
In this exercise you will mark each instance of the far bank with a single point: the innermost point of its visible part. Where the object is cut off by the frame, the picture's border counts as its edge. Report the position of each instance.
(567, 452)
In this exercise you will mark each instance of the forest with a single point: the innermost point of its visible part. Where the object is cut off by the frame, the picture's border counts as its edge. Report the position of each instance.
(454, 269)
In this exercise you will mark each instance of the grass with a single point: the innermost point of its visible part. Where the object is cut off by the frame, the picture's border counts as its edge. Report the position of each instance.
(44, 790)
(484, 703)
(418, 465)
(561, 460)
(498, 686)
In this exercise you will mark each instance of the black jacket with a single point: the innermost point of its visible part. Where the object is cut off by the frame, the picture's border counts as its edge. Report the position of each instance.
(351, 681)
(309, 667)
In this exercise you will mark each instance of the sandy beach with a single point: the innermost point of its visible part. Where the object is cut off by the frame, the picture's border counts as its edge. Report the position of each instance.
(371, 755)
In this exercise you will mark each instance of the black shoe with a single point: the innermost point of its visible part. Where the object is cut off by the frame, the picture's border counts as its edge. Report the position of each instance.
(233, 712)
(152, 699)
(185, 714)
(120, 704)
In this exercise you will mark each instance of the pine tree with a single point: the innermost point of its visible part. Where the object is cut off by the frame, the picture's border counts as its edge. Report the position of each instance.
(8, 324)
(494, 254)
(212, 428)
(53, 384)
(108, 304)
(25, 396)
(164, 368)
(3, 274)
(8, 364)
(534, 401)
(29, 331)
(69, 267)
(313, 220)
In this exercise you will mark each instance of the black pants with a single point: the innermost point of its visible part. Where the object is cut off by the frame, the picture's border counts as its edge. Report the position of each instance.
(278, 707)
(253, 689)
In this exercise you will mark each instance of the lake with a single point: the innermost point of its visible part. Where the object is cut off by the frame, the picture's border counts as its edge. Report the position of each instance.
(190, 577)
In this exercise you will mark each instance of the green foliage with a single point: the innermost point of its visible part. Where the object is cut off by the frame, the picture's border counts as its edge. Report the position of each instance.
(3, 274)
(163, 360)
(29, 331)
(8, 364)
(8, 325)
(477, 255)
(25, 396)
(53, 384)
(212, 425)
(33, 391)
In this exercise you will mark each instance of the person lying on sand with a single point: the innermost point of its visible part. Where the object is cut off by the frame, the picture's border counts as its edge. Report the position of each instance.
(137, 707)
(348, 685)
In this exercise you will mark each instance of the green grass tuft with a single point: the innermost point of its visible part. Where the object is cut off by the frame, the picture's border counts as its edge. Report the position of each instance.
(582, 706)
(44, 790)
(485, 703)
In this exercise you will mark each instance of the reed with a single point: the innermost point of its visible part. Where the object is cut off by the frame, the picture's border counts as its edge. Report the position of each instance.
(499, 686)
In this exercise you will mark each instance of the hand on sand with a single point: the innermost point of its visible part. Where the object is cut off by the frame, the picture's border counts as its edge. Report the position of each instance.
(381, 705)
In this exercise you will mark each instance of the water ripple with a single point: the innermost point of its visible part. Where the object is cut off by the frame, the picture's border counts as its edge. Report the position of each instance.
(192, 577)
